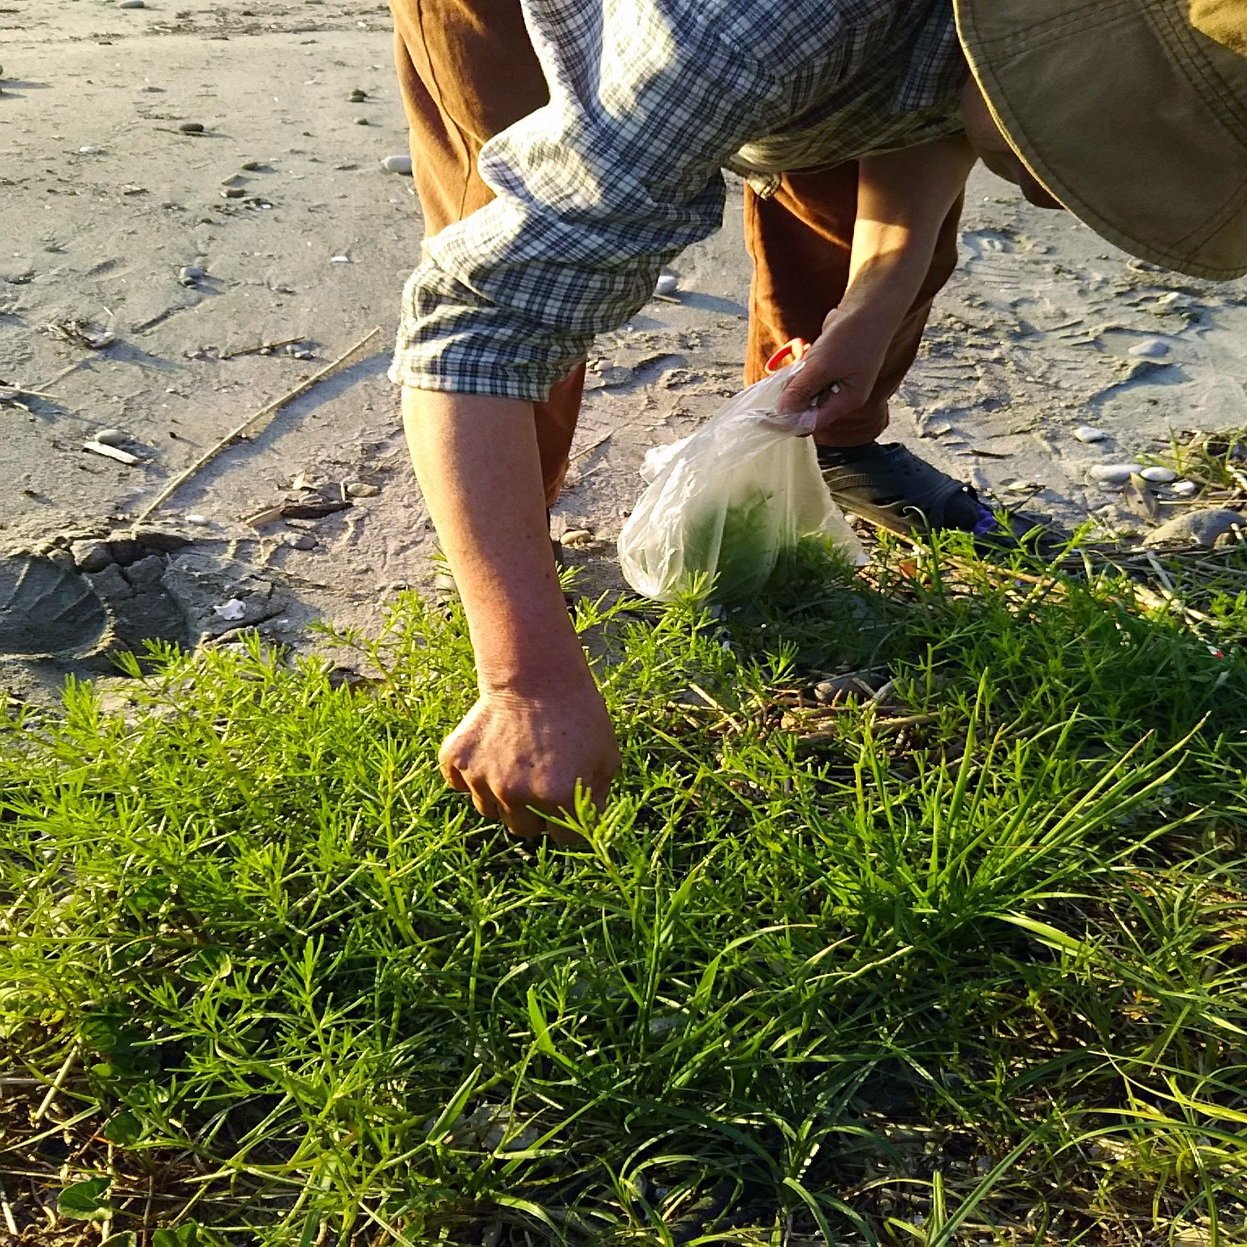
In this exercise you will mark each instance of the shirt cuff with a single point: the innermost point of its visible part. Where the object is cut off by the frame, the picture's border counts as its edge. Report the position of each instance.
(451, 340)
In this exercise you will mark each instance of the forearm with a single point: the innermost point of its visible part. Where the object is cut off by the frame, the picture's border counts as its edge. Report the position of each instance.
(902, 200)
(477, 463)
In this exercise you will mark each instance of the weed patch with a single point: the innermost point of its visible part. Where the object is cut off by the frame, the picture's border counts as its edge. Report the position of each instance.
(959, 959)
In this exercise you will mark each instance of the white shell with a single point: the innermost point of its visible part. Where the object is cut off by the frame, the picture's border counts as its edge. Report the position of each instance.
(1185, 489)
(232, 610)
(1159, 476)
(397, 164)
(666, 284)
(1113, 473)
(1085, 433)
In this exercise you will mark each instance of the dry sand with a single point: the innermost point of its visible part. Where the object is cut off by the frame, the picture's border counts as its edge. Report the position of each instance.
(1045, 327)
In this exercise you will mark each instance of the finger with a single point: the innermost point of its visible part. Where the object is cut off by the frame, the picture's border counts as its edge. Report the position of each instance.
(807, 389)
(486, 805)
(450, 772)
(523, 821)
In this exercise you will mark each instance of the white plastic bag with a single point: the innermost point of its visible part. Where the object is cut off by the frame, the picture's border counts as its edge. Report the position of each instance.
(727, 500)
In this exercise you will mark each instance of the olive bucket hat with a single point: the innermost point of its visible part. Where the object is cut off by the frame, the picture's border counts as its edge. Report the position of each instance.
(1133, 113)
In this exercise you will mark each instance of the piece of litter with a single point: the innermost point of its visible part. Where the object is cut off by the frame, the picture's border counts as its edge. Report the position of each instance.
(232, 610)
(111, 452)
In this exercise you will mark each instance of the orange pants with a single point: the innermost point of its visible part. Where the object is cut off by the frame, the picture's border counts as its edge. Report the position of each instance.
(467, 70)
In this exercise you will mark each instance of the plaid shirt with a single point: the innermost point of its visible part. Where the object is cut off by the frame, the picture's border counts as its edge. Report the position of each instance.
(621, 171)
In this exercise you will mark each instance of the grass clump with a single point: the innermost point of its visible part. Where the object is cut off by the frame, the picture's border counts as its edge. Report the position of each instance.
(961, 962)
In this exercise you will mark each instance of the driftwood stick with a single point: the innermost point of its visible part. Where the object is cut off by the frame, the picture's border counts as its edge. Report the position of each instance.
(234, 434)
(262, 346)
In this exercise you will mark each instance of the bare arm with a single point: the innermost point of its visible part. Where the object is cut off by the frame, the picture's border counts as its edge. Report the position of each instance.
(902, 200)
(539, 725)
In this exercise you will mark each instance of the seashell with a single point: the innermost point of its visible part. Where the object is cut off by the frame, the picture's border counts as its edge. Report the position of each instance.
(1086, 433)
(397, 164)
(666, 284)
(46, 608)
(1159, 476)
(1113, 473)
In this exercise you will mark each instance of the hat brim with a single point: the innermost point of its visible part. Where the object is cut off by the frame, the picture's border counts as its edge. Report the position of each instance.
(1115, 108)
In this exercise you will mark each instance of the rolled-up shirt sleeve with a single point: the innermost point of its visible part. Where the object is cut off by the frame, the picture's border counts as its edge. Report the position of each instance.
(594, 193)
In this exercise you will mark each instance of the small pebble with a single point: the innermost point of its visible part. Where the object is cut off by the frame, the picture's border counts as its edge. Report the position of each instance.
(191, 127)
(362, 121)
(112, 437)
(339, 259)
(133, 4)
(1113, 473)
(1085, 433)
(198, 520)
(361, 489)
(397, 164)
(666, 284)
(90, 150)
(1159, 476)
(358, 95)
(233, 192)
(253, 166)
(577, 537)
(189, 274)
(1021, 487)
(1184, 489)
(1151, 348)
(304, 541)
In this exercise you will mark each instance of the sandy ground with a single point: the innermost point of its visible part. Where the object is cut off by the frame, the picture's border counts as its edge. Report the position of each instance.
(300, 235)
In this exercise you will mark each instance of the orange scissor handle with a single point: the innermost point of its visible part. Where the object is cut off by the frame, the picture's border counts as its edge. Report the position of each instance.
(792, 351)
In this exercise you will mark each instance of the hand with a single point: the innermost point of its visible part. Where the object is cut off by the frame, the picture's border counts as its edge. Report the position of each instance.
(839, 370)
(521, 757)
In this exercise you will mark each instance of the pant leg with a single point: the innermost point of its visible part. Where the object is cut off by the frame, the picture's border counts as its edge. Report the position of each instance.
(800, 241)
(467, 70)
